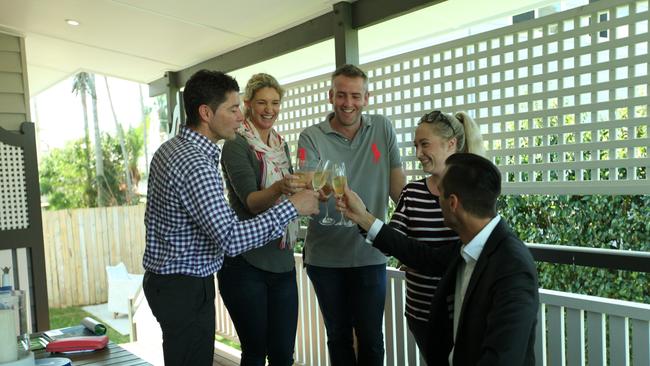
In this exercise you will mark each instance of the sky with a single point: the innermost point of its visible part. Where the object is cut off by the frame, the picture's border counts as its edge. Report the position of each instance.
(58, 114)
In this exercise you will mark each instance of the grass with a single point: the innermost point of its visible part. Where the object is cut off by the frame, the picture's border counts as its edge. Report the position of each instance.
(71, 316)
(227, 342)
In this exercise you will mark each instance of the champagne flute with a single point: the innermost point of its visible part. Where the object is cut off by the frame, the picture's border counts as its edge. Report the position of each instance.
(320, 180)
(339, 182)
(302, 168)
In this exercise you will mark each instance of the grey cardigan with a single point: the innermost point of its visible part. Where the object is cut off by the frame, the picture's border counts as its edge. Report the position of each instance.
(242, 173)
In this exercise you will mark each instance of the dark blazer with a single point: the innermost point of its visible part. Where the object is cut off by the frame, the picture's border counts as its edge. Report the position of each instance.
(499, 312)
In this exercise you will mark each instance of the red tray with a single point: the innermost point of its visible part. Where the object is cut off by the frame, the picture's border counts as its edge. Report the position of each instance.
(74, 344)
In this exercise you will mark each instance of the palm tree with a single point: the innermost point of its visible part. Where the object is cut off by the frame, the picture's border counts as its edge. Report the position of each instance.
(144, 113)
(80, 87)
(125, 154)
(102, 198)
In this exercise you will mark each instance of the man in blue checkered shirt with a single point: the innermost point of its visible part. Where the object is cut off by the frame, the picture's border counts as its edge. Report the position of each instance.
(190, 226)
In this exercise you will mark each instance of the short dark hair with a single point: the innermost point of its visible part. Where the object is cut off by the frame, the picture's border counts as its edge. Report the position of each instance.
(351, 71)
(475, 181)
(206, 87)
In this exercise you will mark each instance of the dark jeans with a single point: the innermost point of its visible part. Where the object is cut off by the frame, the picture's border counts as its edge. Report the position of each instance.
(352, 299)
(419, 329)
(184, 307)
(264, 308)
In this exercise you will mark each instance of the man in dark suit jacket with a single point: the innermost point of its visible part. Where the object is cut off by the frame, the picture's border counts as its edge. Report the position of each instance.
(484, 311)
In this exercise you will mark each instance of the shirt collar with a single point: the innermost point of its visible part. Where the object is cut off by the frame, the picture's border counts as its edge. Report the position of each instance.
(202, 142)
(326, 126)
(472, 251)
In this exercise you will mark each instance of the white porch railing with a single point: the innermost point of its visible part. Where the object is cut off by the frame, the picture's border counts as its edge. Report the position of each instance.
(571, 328)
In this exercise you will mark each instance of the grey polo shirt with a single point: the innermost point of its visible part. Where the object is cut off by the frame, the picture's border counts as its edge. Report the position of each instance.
(369, 158)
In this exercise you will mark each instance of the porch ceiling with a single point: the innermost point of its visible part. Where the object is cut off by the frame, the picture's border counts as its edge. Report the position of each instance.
(141, 39)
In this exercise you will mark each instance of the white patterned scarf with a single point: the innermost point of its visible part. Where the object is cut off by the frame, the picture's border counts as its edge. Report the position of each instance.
(274, 164)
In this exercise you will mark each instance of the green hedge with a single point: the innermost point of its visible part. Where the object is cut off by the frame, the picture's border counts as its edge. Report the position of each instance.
(597, 221)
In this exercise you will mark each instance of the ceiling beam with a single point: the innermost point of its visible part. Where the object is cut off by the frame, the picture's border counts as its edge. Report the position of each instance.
(346, 39)
(363, 13)
(369, 12)
(162, 85)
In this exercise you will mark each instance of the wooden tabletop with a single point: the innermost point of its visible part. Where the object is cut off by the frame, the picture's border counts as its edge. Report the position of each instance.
(111, 355)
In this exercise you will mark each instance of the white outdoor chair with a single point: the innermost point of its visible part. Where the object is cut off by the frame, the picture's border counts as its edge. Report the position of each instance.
(122, 286)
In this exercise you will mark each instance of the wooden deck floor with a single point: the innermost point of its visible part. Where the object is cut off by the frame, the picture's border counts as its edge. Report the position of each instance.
(223, 355)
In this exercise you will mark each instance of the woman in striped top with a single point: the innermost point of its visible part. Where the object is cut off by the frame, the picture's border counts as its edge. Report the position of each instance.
(418, 214)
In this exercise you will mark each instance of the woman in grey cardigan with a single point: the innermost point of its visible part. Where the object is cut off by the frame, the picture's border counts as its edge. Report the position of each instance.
(259, 287)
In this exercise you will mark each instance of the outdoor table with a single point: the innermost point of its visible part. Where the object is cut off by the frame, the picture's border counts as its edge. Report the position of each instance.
(111, 355)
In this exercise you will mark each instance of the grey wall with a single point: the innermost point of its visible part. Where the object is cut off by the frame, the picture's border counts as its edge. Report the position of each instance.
(14, 92)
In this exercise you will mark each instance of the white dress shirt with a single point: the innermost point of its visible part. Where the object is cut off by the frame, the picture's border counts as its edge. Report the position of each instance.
(470, 253)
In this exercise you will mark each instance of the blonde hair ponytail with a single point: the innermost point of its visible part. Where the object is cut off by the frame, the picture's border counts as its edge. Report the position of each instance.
(473, 138)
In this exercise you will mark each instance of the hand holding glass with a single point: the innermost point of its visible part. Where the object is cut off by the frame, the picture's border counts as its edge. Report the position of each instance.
(339, 182)
(320, 180)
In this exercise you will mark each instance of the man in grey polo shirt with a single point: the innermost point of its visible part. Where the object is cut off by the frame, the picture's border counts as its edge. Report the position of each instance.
(348, 275)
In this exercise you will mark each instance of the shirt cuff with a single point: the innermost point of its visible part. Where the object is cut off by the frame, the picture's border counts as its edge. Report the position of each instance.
(286, 212)
(373, 231)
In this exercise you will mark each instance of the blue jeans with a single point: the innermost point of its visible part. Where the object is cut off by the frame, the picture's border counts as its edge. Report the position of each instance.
(352, 299)
(264, 308)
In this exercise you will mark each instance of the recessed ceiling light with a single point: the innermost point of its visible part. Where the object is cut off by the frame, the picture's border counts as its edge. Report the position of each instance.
(72, 22)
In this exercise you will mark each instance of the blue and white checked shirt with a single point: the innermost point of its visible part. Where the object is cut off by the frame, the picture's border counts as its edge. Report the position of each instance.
(189, 223)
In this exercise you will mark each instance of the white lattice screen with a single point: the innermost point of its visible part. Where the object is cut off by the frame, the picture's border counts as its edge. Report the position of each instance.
(562, 100)
(305, 103)
(13, 195)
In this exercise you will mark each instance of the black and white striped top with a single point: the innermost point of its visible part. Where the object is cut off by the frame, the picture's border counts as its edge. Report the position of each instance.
(418, 216)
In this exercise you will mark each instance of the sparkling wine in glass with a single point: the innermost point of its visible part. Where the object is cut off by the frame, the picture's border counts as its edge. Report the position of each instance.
(321, 175)
(339, 182)
(302, 168)
(321, 180)
(301, 172)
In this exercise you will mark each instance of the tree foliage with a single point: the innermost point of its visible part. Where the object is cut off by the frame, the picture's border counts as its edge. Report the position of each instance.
(63, 177)
(595, 221)
(114, 172)
(63, 172)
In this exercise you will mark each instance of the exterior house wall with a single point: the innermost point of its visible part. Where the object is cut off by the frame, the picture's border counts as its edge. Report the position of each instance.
(14, 91)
